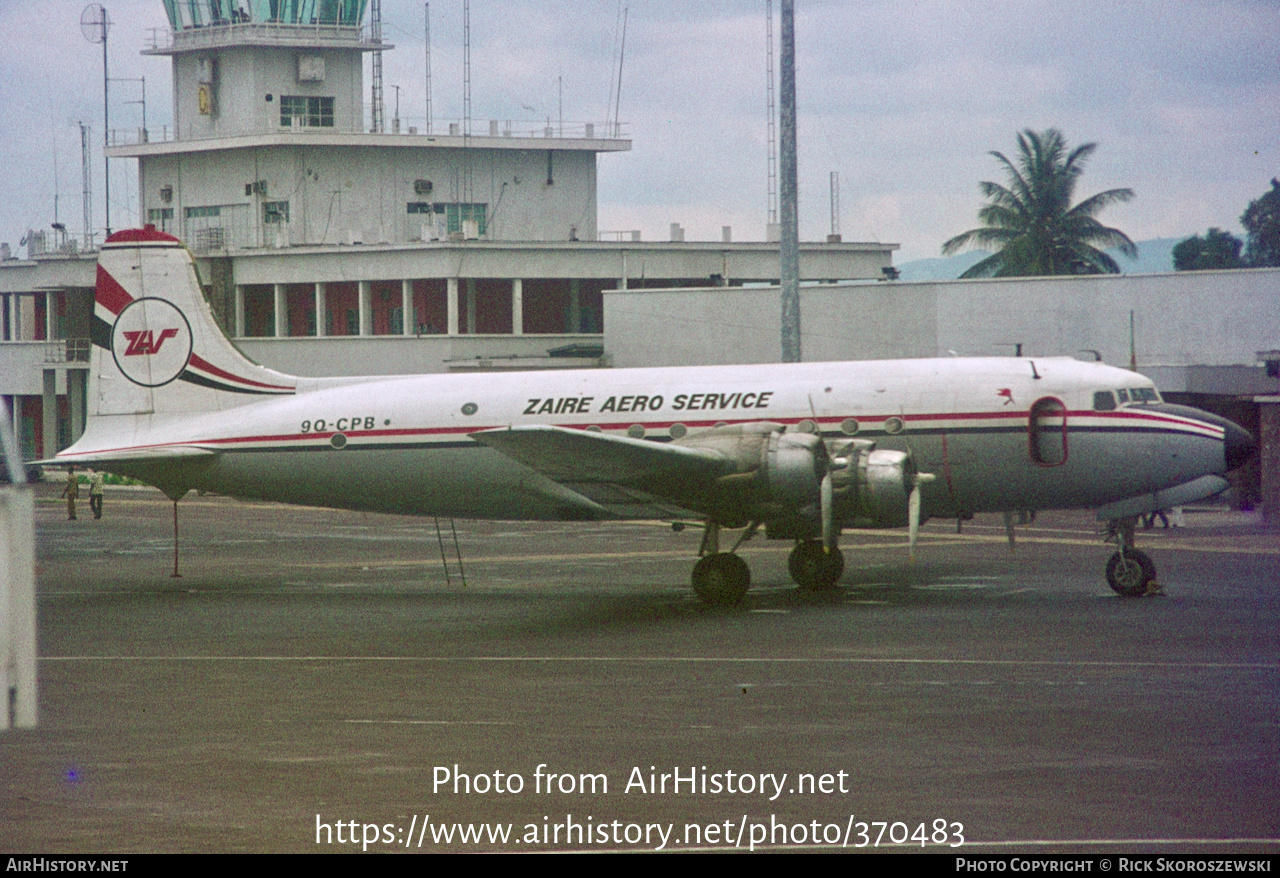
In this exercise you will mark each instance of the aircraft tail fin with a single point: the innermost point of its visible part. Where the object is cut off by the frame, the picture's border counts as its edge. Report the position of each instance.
(157, 348)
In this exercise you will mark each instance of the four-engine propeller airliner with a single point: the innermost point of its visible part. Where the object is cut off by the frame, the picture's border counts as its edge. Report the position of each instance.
(801, 451)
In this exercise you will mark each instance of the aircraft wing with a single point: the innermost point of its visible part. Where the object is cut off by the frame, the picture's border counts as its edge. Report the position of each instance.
(632, 478)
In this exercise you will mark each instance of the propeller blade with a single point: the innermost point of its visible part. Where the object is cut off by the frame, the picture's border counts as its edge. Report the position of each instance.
(828, 515)
(913, 511)
(913, 521)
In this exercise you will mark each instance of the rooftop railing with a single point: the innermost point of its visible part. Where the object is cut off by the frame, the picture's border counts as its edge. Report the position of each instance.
(413, 127)
(166, 39)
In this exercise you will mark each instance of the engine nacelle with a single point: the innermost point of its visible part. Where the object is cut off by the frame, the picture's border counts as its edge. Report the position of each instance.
(776, 478)
(872, 486)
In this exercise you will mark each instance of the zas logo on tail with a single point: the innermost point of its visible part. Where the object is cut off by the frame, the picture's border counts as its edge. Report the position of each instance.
(151, 342)
(144, 341)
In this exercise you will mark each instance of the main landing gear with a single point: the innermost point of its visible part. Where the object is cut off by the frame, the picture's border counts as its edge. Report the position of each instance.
(815, 568)
(1130, 572)
(722, 578)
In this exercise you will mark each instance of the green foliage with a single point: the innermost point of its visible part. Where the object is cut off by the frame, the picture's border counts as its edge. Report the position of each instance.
(1261, 220)
(1031, 223)
(1217, 249)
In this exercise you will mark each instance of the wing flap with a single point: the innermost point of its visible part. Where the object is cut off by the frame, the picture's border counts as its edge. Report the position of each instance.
(632, 478)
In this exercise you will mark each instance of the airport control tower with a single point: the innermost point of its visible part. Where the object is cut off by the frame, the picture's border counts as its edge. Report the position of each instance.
(270, 148)
(260, 66)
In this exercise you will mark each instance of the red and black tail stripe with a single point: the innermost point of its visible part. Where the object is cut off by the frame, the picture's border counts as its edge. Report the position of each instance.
(111, 298)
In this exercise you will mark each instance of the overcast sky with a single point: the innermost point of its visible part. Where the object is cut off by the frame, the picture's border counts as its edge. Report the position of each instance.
(903, 99)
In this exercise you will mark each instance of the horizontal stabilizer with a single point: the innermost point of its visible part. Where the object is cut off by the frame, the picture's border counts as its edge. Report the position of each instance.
(156, 454)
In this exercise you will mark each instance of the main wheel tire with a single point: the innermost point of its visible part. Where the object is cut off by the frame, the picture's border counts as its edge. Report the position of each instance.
(813, 568)
(721, 579)
(1130, 574)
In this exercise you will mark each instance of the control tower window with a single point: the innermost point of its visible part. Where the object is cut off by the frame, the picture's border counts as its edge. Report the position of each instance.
(306, 112)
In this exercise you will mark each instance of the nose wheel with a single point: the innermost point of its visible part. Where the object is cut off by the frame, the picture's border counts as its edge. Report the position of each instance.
(1131, 573)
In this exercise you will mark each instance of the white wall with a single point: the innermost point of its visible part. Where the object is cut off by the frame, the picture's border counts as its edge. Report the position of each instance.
(246, 75)
(1216, 318)
(362, 192)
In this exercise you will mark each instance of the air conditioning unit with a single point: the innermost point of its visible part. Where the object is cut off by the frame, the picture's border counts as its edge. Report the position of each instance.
(206, 70)
(310, 68)
(422, 187)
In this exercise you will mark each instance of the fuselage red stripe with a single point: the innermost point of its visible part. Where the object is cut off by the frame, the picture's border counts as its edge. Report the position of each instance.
(1191, 427)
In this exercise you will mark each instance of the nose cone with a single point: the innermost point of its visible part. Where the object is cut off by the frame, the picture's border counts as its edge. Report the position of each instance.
(1238, 445)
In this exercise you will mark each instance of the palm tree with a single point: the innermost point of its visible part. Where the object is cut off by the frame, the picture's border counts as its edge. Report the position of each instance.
(1031, 222)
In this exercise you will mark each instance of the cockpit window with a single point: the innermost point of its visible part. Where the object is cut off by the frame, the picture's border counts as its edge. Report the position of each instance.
(1104, 401)
(1143, 394)
(1123, 394)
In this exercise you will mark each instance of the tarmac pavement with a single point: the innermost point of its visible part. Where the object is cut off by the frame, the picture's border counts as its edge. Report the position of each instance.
(312, 678)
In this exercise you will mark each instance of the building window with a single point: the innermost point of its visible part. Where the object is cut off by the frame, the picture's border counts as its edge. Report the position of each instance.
(306, 112)
(199, 212)
(456, 214)
(161, 218)
(275, 211)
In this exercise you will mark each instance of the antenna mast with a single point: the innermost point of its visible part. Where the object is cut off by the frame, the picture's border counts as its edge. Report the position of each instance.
(86, 188)
(375, 35)
(427, 18)
(622, 54)
(773, 125)
(835, 205)
(94, 24)
(466, 100)
(466, 68)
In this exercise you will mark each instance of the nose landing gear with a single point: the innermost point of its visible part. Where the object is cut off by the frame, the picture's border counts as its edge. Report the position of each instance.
(1130, 572)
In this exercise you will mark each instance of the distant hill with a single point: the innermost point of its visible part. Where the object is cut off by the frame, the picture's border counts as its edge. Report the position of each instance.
(1154, 256)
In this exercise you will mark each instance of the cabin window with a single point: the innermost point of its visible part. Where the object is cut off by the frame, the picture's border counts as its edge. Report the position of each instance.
(1047, 432)
(1104, 401)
